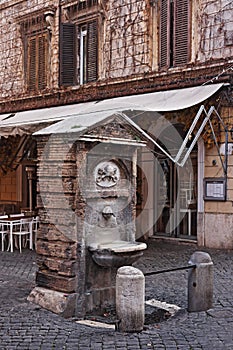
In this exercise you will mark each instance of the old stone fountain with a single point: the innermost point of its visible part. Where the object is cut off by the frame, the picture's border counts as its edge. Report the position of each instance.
(78, 262)
(109, 222)
(111, 243)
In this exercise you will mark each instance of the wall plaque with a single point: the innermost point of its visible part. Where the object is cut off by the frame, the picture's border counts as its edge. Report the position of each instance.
(107, 174)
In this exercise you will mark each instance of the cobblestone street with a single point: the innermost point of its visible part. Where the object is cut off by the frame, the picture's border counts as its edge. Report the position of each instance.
(27, 326)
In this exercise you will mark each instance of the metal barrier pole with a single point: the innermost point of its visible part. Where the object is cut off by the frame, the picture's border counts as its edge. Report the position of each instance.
(169, 270)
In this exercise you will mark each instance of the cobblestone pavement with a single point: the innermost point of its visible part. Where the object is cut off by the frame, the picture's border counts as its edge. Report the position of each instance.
(27, 326)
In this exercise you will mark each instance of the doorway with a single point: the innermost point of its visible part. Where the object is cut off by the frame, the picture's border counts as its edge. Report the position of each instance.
(167, 192)
(176, 192)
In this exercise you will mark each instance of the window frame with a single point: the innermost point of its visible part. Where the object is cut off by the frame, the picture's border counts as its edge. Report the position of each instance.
(83, 46)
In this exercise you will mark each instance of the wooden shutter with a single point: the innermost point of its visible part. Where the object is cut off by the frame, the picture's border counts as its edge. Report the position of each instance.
(164, 33)
(31, 66)
(42, 62)
(92, 51)
(67, 54)
(181, 32)
(37, 62)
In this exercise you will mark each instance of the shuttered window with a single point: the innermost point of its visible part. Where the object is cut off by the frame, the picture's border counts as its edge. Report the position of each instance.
(37, 56)
(174, 32)
(79, 53)
(67, 54)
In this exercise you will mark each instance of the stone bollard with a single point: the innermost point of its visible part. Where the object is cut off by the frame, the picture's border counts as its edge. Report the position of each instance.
(200, 282)
(130, 299)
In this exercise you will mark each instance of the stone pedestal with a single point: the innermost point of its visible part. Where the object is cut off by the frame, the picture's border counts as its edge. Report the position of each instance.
(200, 283)
(130, 299)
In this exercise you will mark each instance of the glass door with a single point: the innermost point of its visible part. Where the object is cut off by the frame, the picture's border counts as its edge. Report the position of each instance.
(175, 199)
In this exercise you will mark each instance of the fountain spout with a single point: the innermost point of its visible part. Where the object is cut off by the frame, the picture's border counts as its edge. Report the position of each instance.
(107, 213)
(113, 251)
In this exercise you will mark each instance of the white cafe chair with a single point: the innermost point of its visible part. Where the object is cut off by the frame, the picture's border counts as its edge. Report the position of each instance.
(4, 231)
(23, 228)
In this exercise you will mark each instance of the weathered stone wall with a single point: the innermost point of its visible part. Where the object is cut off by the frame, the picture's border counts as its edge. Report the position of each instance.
(218, 232)
(11, 49)
(215, 223)
(214, 21)
(12, 82)
(214, 168)
(128, 36)
(57, 238)
(127, 39)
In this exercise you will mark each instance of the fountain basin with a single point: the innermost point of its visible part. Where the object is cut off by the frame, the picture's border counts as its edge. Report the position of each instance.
(116, 253)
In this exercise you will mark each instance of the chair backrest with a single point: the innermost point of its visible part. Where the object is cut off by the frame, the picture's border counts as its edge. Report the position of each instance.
(25, 224)
(3, 225)
(36, 221)
(25, 220)
(16, 215)
(3, 216)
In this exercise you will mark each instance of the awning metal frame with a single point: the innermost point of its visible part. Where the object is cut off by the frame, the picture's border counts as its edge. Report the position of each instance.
(182, 157)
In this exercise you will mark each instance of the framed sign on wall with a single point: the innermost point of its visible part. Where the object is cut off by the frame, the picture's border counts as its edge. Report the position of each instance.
(214, 189)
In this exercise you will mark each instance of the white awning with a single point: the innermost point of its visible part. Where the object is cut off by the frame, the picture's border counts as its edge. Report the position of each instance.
(27, 122)
(43, 115)
(170, 100)
(4, 116)
(162, 101)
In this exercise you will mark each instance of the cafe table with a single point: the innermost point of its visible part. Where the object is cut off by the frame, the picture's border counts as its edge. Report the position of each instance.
(15, 222)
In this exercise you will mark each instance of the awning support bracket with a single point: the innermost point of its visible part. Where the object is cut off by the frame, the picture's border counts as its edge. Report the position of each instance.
(178, 159)
(207, 119)
(201, 109)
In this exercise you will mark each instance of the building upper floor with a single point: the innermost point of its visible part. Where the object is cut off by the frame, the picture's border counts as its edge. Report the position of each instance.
(81, 46)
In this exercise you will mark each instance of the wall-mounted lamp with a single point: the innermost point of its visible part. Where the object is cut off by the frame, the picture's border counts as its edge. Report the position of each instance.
(49, 18)
(214, 162)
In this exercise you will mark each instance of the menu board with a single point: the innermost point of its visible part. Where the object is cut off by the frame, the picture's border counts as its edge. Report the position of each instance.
(215, 189)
